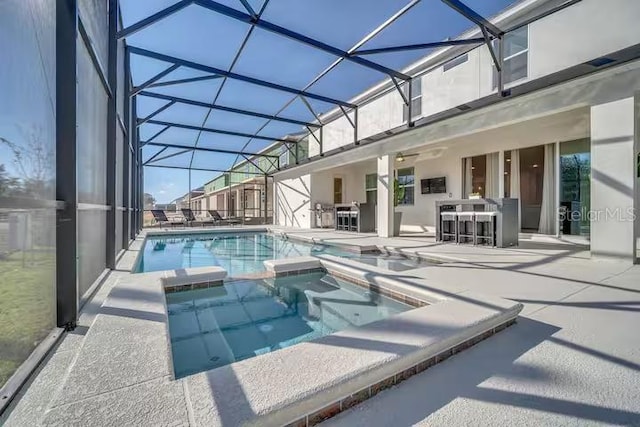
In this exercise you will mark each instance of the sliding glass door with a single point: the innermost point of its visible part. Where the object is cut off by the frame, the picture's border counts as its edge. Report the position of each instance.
(575, 187)
(531, 186)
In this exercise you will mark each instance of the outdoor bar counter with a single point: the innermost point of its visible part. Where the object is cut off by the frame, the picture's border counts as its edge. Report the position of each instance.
(355, 216)
(506, 216)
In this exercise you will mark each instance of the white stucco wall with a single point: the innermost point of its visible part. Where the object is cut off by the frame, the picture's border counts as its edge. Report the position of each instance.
(587, 30)
(581, 32)
(353, 182)
(463, 83)
(613, 134)
(292, 198)
(380, 114)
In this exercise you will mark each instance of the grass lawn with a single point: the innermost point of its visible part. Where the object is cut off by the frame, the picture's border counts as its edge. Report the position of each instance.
(27, 306)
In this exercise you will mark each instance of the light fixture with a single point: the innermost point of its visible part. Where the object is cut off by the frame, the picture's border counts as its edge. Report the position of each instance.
(535, 165)
(399, 157)
(506, 173)
(508, 160)
(473, 167)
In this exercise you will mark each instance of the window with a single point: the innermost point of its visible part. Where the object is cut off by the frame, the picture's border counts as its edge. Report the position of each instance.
(416, 99)
(455, 62)
(406, 180)
(303, 148)
(337, 190)
(371, 188)
(284, 156)
(475, 175)
(516, 51)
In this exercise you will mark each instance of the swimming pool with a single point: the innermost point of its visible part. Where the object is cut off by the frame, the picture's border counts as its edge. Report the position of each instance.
(220, 325)
(243, 253)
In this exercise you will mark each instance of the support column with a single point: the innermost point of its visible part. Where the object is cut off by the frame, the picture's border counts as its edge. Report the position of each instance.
(556, 174)
(385, 195)
(112, 129)
(133, 169)
(126, 155)
(501, 174)
(614, 181)
(266, 197)
(66, 178)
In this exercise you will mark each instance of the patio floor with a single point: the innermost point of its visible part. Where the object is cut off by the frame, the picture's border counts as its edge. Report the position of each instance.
(572, 359)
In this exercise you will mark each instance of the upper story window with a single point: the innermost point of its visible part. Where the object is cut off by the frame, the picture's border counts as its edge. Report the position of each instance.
(416, 100)
(284, 156)
(371, 187)
(516, 56)
(455, 62)
(406, 180)
(371, 182)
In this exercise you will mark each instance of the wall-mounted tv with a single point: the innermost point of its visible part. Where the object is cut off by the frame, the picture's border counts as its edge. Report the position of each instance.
(433, 185)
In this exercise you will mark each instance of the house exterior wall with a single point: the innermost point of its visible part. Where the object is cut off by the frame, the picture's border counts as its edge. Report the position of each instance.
(582, 32)
(598, 107)
(293, 201)
(587, 30)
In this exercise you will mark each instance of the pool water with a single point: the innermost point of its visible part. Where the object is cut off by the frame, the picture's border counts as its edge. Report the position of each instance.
(243, 253)
(241, 319)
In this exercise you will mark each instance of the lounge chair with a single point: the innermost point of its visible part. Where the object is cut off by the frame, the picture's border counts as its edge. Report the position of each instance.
(161, 217)
(191, 218)
(218, 220)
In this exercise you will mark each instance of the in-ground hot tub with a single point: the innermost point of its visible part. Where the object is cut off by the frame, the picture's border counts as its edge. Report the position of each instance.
(240, 319)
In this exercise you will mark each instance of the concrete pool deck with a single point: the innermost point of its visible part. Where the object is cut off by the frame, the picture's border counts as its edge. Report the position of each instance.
(574, 357)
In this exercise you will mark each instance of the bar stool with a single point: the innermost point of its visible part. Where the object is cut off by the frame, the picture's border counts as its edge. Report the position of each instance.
(449, 226)
(486, 227)
(466, 227)
(353, 220)
(343, 220)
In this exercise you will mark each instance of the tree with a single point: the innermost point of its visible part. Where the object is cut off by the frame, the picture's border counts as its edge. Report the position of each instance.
(149, 201)
(398, 192)
(8, 185)
(34, 163)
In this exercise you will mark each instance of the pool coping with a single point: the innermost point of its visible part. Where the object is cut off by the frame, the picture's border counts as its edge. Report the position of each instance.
(128, 346)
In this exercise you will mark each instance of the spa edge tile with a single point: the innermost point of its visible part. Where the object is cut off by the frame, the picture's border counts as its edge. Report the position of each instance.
(405, 374)
(302, 422)
(425, 364)
(323, 414)
(382, 385)
(200, 285)
(355, 398)
(444, 355)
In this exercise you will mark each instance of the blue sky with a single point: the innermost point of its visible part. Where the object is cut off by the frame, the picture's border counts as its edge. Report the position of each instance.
(209, 38)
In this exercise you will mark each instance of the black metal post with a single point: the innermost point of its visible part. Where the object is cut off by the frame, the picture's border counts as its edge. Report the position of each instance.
(410, 104)
(140, 186)
(356, 141)
(126, 155)
(134, 169)
(266, 197)
(500, 41)
(112, 129)
(66, 180)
